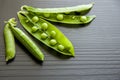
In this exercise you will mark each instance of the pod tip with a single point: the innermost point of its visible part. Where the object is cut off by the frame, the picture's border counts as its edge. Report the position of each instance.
(12, 22)
(23, 7)
(73, 55)
(92, 3)
(6, 59)
(94, 16)
(42, 59)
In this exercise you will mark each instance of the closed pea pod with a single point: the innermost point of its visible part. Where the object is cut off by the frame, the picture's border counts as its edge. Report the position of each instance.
(54, 36)
(27, 42)
(9, 42)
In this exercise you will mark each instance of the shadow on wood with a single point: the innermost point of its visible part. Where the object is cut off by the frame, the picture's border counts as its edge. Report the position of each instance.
(9, 61)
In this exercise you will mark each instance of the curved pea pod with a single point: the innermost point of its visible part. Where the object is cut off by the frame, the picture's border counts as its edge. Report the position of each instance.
(47, 33)
(9, 42)
(79, 8)
(27, 42)
(67, 19)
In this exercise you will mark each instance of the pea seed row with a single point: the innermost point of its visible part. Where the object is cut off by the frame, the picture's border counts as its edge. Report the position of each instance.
(44, 36)
(68, 19)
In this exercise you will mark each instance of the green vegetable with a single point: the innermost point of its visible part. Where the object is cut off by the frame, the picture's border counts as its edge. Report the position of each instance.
(34, 29)
(26, 41)
(67, 13)
(44, 36)
(61, 47)
(79, 8)
(46, 15)
(35, 19)
(68, 19)
(52, 42)
(83, 18)
(9, 42)
(44, 26)
(54, 36)
(60, 16)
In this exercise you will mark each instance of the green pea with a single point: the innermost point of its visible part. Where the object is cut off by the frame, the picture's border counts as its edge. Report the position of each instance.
(27, 21)
(35, 19)
(34, 29)
(83, 18)
(61, 47)
(52, 34)
(53, 42)
(73, 17)
(60, 16)
(67, 12)
(44, 26)
(46, 15)
(44, 36)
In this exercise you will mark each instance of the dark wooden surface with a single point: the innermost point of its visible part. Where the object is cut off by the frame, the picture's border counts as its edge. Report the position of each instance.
(97, 45)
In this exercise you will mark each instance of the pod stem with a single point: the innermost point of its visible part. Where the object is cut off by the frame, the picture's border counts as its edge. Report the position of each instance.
(11, 22)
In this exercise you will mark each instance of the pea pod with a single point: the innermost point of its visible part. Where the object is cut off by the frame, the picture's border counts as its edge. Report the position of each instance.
(9, 42)
(47, 33)
(79, 8)
(26, 41)
(68, 19)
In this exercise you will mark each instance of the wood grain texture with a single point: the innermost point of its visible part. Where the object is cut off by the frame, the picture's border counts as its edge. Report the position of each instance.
(97, 45)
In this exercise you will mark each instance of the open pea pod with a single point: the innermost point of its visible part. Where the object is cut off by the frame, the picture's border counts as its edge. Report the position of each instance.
(79, 8)
(46, 33)
(67, 19)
